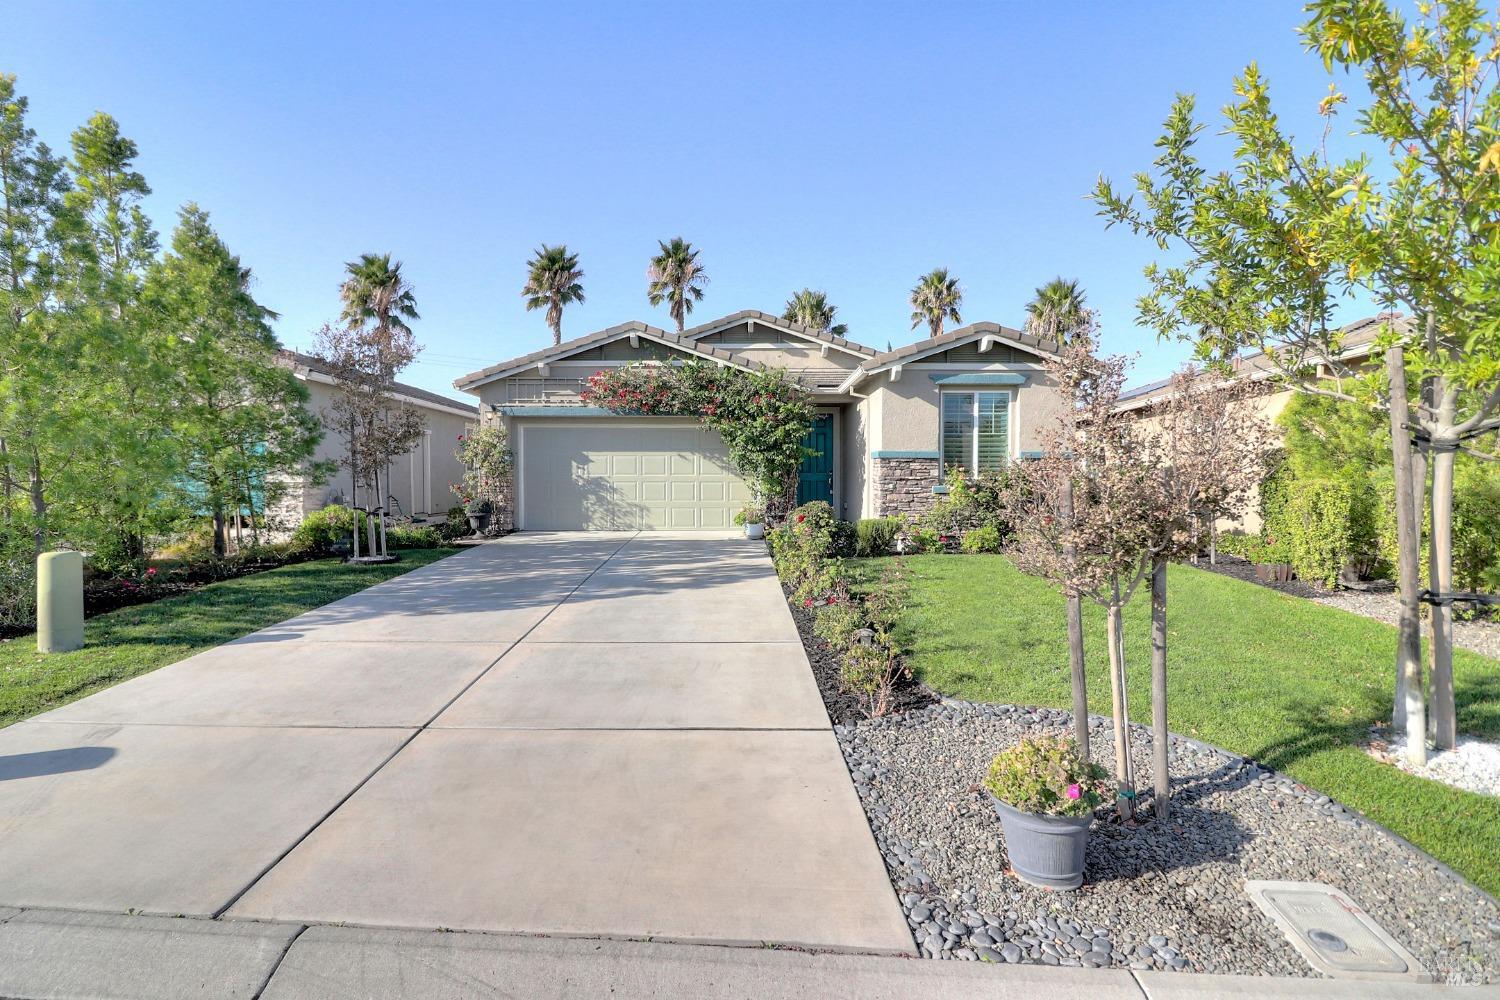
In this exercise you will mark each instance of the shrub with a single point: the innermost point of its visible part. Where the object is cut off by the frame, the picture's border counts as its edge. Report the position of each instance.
(322, 529)
(456, 525)
(1476, 527)
(870, 674)
(920, 539)
(839, 622)
(1045, 775)
(17, 582)
(887, 600)
(844, 540)
(874, 536)
(985, 539)
(1328, 524)
(413, 537)
(800, 547)
(967, 505)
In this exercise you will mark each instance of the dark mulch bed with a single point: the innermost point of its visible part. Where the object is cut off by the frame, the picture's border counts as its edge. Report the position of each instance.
(843, 708)
(1242, 569)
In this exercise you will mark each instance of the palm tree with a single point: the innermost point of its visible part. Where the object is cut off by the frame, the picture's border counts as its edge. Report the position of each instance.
(376, 290)
(935, 299)
(676, 278)
(552, 281)
(813, 311)
(1057, 312)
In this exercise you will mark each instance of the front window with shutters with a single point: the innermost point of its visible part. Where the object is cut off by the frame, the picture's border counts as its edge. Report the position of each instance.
(976, 431)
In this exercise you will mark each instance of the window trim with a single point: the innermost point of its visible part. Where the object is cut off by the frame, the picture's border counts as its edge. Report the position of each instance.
(973, 449)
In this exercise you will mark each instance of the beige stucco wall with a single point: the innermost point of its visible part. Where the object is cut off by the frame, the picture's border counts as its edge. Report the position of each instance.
(854, 460)
(418, 480)
(1267, 407)
(908, 409)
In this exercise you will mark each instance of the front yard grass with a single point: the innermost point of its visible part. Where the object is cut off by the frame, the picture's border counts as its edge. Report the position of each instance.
(1291, 683)
(131, 641)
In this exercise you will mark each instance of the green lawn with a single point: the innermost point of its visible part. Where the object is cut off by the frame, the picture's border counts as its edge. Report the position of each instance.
(136, 640)
(1286, 681)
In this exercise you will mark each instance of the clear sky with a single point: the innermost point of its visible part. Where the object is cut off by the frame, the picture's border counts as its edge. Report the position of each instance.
(846, 147)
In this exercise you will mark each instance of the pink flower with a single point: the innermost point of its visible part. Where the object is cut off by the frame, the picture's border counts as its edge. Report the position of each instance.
(151, 571)
(1074, 792)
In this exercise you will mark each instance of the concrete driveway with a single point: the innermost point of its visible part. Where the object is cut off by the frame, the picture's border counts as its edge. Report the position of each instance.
(598, 735)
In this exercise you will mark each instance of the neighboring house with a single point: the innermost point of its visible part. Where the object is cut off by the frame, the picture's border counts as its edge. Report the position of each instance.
(418, 481)
(888, 425)
(1355, 343)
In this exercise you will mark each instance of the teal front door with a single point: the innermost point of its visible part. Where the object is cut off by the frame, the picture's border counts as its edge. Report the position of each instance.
(815, 481)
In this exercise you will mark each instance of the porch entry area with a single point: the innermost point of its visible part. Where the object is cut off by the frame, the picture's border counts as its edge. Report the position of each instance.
(815, 478)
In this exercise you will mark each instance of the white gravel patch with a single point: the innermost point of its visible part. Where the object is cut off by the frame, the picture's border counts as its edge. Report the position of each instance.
(1473, 765)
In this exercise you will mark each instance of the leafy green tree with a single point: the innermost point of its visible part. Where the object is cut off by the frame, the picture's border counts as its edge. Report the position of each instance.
(43, 411)
(120, 504)
(1268, 248)
(243, 432)
(676, 277)
(1058, 311)
(553, 280)
(935, 299)
(814, 311)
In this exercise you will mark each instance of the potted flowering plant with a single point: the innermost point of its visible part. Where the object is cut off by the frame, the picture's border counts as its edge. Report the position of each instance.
(753, 517)
(1045, 795)
(478, 512)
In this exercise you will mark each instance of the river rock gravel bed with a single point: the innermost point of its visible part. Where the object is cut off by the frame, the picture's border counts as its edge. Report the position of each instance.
(1161, 897)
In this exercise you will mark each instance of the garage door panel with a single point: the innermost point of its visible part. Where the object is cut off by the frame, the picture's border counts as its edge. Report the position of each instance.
(601, 476)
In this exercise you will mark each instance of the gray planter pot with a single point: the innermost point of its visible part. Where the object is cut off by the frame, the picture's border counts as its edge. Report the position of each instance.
(1046, 851)
(755, 530)
(479, 523)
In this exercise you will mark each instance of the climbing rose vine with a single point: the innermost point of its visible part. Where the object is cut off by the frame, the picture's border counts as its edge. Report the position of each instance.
(762, 416)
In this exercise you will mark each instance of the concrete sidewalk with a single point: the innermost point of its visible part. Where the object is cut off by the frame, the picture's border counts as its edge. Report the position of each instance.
(604, 735)
(48, 955)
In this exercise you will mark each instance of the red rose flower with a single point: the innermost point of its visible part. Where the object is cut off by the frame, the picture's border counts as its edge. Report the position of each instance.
(801, 518)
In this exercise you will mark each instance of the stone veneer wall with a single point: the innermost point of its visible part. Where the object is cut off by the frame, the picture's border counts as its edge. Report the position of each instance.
(903, 486)
(503, 517)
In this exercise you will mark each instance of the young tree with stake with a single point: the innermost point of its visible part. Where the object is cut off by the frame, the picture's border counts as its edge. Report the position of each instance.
(1272, 245)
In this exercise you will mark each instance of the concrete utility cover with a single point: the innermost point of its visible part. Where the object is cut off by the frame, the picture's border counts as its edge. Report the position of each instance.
(1335, 936)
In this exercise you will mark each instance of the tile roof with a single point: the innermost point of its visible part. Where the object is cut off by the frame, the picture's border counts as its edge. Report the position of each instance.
(567, 347)
(1358, 334)
(962, 333)
(786, 324)
(314, 363)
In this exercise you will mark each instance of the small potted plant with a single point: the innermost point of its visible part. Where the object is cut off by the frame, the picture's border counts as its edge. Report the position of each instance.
(1045, 795)
(753, 517)
(478, 512)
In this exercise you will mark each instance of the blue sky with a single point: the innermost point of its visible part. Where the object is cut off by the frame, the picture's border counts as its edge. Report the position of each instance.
(846, 147)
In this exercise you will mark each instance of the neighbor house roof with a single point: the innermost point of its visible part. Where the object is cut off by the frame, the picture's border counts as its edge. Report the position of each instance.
(1354, 343)
(556, 352)
(315, 364)
(780, 323)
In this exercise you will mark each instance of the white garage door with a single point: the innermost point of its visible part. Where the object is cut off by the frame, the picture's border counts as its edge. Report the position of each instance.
(622, 475)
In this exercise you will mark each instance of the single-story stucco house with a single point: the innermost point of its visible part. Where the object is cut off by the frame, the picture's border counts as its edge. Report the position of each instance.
(418, 481)
(889, 424)
(1356, 341)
